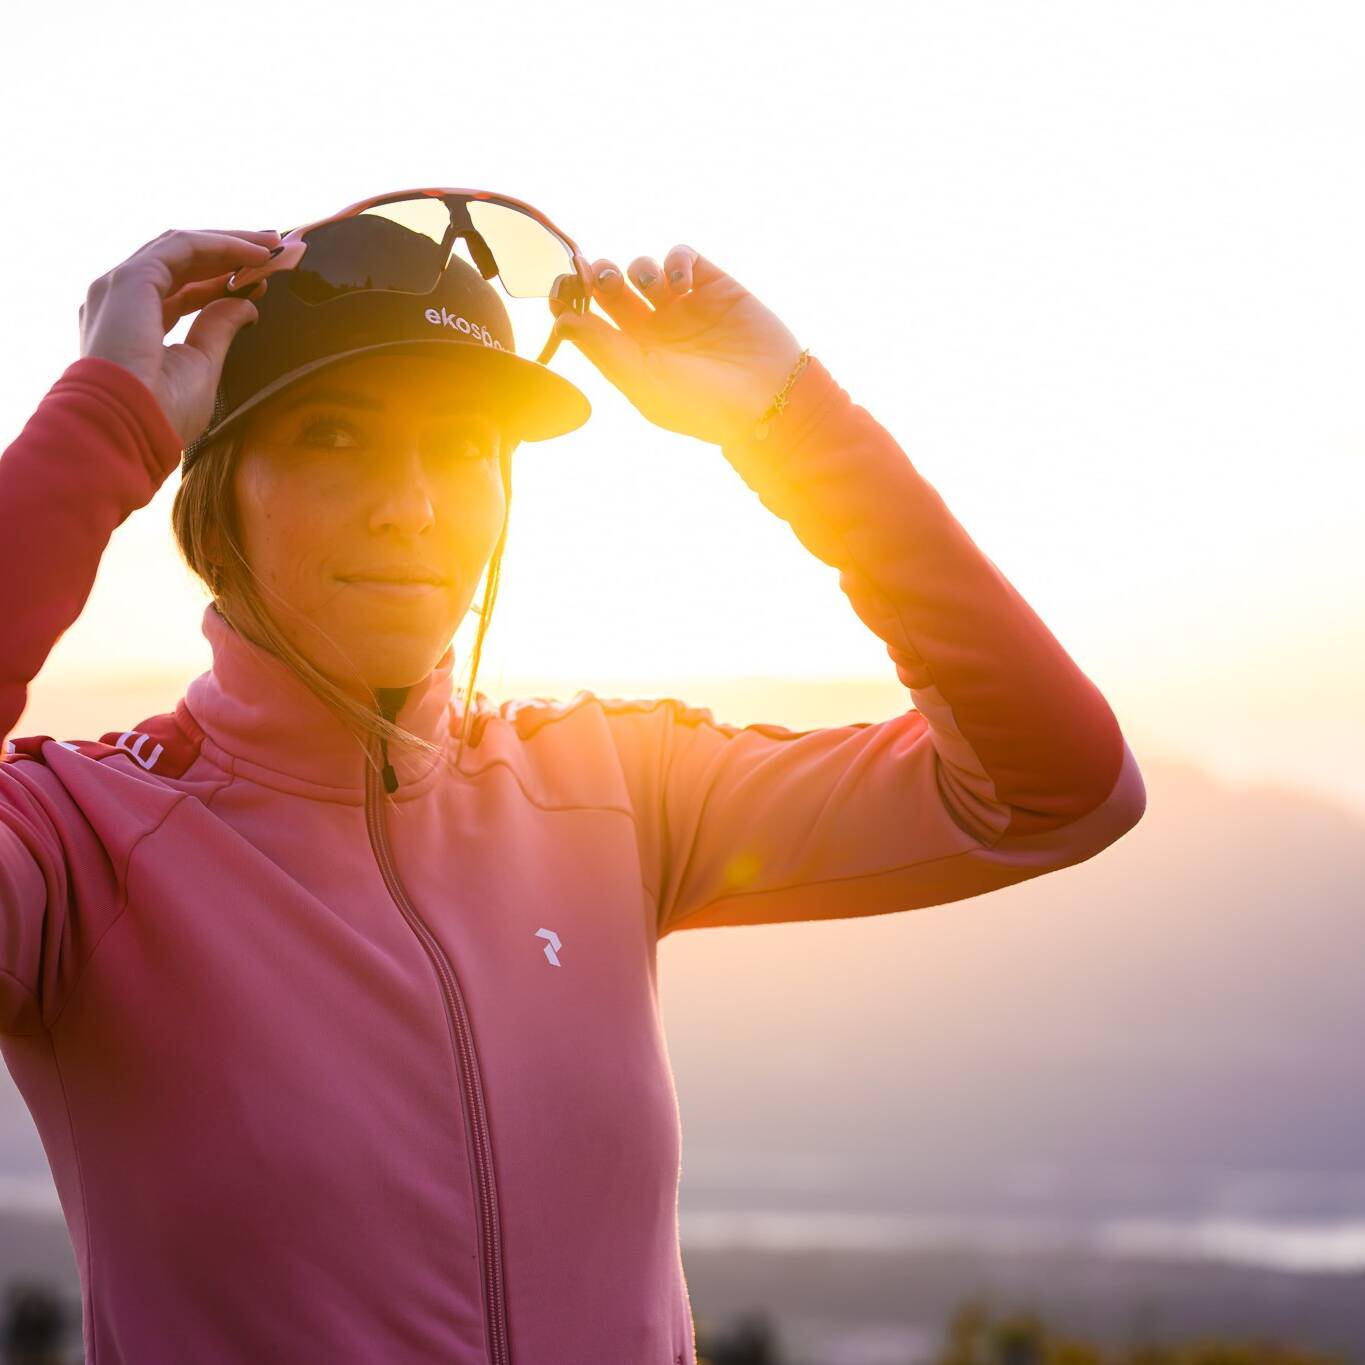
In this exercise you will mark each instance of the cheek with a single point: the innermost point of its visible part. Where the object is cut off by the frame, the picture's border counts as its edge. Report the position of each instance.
(287, 532)
(472, 511)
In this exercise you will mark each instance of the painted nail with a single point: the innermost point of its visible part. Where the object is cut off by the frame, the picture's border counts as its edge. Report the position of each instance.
(606, 276)
(647, 279)
(675, 276)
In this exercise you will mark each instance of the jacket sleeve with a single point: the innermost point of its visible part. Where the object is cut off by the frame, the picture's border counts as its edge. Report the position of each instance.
(1010, 764)
(97, 447)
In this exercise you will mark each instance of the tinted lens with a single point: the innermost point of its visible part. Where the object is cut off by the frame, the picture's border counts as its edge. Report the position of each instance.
(530, 258)
(391, 246)
(398, 246)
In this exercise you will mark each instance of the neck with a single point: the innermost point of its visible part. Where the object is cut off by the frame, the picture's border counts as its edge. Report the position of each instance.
(388, 700)
(262, 718)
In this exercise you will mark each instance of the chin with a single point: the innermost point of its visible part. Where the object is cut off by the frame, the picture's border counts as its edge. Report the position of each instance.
(402, 668)
(372, 644)
(400, 660)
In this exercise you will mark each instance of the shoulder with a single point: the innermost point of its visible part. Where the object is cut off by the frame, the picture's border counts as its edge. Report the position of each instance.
(529, 716)
(95, 798)
(164, 745)
(585, 750)
(557, 741)
(533, 717)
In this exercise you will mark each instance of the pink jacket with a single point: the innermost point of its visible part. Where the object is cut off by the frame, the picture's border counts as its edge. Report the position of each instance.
(327, 1074)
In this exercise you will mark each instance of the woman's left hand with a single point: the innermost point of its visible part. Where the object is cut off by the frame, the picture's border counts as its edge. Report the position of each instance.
(698, 354)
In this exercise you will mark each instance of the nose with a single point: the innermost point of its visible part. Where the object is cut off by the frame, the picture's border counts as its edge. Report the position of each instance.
(404, 502)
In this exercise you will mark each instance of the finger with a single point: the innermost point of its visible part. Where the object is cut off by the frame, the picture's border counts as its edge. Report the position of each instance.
(584, 272)
(577, 285)
(627, 310)
(212, 331)
(647, 275)
(270, 236)
(615, 353)
(182, 257)
(194, 296)
(678, 268)
(705, 271)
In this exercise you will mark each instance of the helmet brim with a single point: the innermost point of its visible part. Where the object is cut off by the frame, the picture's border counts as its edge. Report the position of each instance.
(530, 401)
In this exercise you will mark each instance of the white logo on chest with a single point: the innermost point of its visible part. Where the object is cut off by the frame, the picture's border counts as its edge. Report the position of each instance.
(552, 946)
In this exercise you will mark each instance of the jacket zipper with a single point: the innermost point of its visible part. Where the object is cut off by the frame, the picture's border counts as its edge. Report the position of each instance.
(457, 1017)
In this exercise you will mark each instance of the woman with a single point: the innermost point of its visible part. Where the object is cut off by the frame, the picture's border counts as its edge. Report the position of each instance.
(350, 1051)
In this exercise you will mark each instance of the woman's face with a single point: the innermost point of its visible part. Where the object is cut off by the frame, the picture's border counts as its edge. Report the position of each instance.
(378, 467)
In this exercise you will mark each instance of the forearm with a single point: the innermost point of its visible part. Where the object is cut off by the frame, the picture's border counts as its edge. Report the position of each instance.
(1028, 740)
(96, 448)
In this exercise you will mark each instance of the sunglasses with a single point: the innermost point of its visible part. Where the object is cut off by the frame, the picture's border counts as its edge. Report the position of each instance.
(500, 236)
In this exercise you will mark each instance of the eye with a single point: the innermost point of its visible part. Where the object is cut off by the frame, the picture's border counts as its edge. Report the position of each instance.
(468, 440)
(318, 428)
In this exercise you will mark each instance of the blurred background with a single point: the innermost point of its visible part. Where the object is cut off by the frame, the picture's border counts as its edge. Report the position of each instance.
(1098, 268)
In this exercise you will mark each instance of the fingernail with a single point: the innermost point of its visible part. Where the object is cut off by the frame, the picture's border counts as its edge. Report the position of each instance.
(275, 251)
(647, 279)
(606, 276)
(675, 276)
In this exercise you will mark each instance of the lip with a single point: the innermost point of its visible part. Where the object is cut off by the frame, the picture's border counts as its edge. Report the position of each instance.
(401, 590)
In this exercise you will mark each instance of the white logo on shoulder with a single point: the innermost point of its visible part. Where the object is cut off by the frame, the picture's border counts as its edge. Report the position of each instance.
(441, 318)
(551, 947)
(148, 760)
(11, 748)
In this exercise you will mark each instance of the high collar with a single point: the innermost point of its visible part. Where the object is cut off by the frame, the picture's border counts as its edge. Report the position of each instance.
(269, 726)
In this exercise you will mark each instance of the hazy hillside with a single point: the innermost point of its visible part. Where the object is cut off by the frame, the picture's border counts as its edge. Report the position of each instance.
(1170, 1028)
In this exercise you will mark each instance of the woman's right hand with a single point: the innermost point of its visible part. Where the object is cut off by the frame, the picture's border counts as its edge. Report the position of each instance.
(127, 313)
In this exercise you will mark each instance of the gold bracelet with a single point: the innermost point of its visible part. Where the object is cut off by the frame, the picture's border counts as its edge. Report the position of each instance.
(780, 402)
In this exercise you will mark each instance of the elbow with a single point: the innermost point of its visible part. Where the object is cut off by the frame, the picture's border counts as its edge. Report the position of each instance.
(1084, 835)
(1127, 800)
(1120, 810)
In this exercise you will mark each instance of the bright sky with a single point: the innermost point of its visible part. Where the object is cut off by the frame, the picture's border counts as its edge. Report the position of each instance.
(1098, 267)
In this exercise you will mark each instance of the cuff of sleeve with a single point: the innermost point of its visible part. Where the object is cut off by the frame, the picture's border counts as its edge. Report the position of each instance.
(816, 400)
(827, 466)
(158, 443)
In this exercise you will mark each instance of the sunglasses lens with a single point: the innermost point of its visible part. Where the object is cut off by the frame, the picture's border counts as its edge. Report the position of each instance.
(403, 246)
(530, 258)
(398, 246)
(391, 246)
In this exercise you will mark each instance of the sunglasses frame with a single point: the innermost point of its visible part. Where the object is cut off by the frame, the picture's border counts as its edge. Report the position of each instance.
(292, 247)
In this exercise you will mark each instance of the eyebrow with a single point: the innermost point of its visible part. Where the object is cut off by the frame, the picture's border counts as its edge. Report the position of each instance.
(450, 403)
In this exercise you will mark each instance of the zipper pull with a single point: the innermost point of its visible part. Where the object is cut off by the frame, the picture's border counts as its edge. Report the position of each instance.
(390, 777)
(390, 701)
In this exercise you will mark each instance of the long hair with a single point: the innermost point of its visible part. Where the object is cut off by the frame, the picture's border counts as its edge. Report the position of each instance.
(205, 502)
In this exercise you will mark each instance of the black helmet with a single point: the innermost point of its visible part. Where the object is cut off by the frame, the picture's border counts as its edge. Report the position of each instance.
(304, 324)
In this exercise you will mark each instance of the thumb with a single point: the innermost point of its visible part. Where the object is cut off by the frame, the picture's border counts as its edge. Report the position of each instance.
(217, 324)
(609, 348)
(705, 271)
